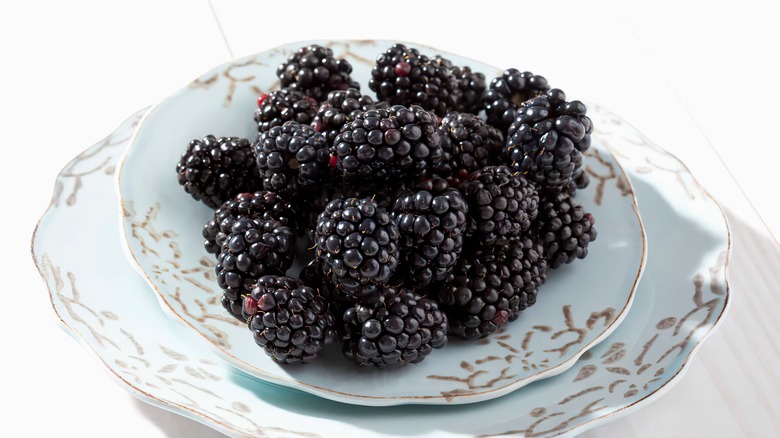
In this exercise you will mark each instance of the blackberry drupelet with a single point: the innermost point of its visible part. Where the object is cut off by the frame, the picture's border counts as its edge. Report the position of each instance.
(388, 145)
(259, 205)
(432, 221)
(254, 248)
(547, 140)
(291, 322)
(357, 242)
(340, 107)
(404, 329)
(234, 307)
(292, 159)
(277, 107)
(580, 180)
(564, 228)
(312, 276)
(501, 203)
(212, 170)
(469, 145)
(314, 70)
(472, 85)
(402, 76)
(507, 92)
(490, 286)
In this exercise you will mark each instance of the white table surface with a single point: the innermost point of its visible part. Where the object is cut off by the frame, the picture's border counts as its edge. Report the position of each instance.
(699, 79)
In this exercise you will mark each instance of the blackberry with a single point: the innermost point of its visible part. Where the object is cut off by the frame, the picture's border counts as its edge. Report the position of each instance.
(507, 92)
(259, 205)
(309, 210)
(277, 107)
(214, 169)
(564, 228)
(388, 144)
(291, 322)
(470, 144)
(432, 221)
(402, 76)
(547, 140)
(489, 287)
(339, 108)
(472, 85)
(357, 242)
(292, 158)
(314, 70)
(405, 329)
(501, 204)
(254, 248)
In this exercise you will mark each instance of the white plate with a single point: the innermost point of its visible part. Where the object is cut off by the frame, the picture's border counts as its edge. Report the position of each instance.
(100, 300)
(163, 225)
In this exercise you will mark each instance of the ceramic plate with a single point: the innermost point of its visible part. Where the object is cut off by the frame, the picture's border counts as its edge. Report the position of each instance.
(163, 225)
(680, 301)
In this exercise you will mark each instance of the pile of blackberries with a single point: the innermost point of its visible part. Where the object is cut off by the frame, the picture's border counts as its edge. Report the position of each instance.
(436, 209)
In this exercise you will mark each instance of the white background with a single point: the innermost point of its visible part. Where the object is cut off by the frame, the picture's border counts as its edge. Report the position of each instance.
(700, 79)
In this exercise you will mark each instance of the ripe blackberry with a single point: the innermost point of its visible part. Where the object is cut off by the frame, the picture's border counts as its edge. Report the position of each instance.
(489, 287)
(214, 169)
(291, 322)
(432, 221)
(404, 329)
(357, 242)
(472, 85)
(547, 139)
(388, 144)
(402, 76)
(254, 248)
(308, 210)
(507, 92)
(277, 107)
(501, 203)
(339, 108)
(292, 159)
(564, 228)
(259, 205)
(472, 144)
(314, 70)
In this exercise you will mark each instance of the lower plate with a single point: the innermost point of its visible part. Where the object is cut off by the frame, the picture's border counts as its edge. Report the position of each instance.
(680, 300)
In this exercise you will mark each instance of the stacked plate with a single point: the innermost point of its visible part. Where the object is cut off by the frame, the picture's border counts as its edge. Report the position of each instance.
(598, 344)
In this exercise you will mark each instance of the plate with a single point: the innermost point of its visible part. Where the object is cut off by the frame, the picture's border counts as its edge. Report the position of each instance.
(163, 225)
(680, 301)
